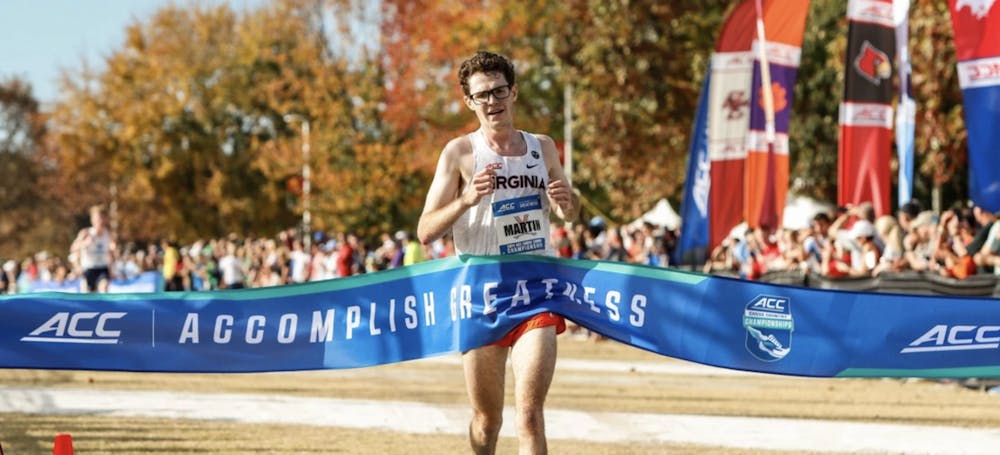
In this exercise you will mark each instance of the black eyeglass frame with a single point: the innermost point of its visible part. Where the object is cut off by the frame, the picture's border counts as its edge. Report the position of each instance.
(493, 91)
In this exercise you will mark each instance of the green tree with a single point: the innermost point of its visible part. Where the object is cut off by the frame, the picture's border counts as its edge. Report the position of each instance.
(814, 127)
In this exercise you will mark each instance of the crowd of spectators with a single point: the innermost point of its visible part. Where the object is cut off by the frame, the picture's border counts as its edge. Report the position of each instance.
(233, 262)
(852, 242)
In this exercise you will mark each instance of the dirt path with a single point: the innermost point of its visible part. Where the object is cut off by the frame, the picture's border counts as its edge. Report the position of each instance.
(605, 397)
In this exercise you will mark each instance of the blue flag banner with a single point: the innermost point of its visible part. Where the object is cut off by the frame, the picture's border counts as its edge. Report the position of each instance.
(456, 304)
(906, 109)
(693, 244)
(977, 48)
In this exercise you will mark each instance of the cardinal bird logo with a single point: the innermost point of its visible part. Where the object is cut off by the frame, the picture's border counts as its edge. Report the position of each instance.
(873, 64)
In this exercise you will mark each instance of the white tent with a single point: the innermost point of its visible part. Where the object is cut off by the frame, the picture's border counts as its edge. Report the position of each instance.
(661, 215)
(800, 210)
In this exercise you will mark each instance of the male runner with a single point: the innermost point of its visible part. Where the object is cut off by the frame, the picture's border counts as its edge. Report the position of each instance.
(95, 249)
(475, 175)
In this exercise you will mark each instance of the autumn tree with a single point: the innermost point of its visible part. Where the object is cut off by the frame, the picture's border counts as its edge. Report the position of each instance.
(186, 127)
(423, 100)
(631, 65)
(30, 218)
(940, 149)
(636, 68)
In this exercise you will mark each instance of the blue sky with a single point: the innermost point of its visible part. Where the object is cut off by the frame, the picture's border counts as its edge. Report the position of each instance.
(40, 37)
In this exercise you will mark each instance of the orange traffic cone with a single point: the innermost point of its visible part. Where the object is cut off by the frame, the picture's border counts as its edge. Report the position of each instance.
(64, 444)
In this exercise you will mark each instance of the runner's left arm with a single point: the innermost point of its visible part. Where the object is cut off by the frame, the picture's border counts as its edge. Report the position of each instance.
(563, 199)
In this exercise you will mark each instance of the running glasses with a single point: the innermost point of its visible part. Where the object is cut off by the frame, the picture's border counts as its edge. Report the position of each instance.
(501, 92)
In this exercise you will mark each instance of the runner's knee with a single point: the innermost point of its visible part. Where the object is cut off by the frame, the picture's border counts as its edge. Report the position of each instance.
(530, 420)
(487, 422)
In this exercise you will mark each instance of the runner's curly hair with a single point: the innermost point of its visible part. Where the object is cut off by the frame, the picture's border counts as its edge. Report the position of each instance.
(484, 62)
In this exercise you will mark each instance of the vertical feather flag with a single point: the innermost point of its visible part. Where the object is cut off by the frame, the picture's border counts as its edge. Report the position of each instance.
(729, 119)
(977, 44)
(693, 243)
(866, 110)
(906, 110)
(777, 48)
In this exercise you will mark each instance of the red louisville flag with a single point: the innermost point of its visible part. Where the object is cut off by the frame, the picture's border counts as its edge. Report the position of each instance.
(866, 113)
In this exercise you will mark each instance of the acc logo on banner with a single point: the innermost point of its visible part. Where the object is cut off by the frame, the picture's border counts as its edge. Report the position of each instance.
(85, 327)
(955, 338)
(769, 324)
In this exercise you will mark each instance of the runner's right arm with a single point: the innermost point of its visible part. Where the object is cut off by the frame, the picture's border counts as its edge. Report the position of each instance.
(445, 202)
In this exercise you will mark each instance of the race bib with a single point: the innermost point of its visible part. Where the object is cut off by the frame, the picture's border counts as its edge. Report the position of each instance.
(520, 224)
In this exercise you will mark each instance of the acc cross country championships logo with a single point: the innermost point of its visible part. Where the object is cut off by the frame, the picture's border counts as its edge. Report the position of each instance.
(769, 325)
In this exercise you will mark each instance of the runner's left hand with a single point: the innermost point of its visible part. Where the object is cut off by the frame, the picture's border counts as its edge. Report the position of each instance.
(560, 193)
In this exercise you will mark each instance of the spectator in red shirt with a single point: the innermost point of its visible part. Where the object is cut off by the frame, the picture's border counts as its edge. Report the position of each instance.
(345, 254)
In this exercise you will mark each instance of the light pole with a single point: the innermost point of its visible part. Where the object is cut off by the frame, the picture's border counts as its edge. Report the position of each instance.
(306, 216)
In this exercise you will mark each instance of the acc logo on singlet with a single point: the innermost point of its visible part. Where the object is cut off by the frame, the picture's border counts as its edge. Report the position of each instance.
(769, 325)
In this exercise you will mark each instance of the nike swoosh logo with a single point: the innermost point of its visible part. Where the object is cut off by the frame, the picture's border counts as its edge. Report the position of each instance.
(531, 165)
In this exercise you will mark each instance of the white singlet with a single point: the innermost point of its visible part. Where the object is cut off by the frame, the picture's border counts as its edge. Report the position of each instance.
(98, 253)
(515, 218)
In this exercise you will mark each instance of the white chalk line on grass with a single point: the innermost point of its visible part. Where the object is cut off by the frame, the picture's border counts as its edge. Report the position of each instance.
(412, 417)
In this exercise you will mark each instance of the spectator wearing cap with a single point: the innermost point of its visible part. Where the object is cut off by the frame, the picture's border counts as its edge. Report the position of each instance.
(862, 233)
(918, 248)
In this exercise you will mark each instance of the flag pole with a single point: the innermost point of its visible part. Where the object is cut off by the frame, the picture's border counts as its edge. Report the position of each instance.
(768, 211)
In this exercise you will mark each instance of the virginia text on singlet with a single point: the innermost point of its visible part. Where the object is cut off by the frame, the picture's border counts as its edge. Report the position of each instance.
(515, 218)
